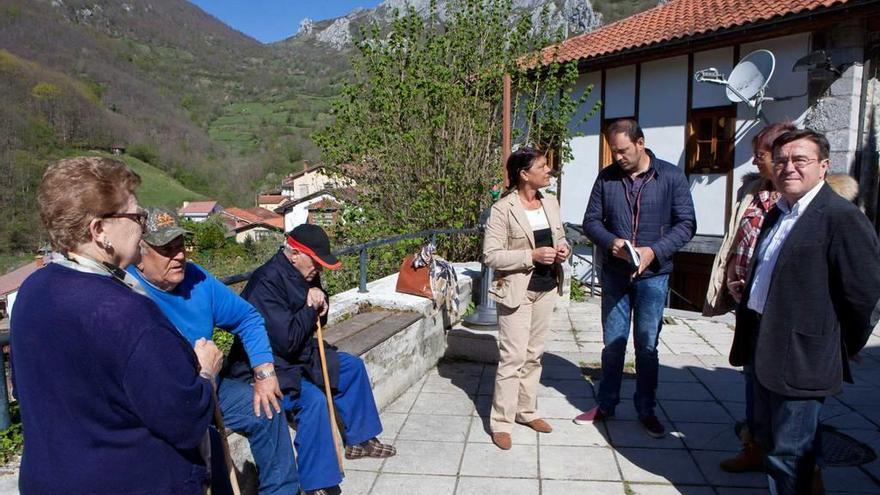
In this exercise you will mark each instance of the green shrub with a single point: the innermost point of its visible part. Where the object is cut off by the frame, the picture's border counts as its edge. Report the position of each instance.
(11, 440)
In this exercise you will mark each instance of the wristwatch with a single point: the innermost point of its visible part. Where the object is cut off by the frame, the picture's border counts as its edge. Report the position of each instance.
(263, 374)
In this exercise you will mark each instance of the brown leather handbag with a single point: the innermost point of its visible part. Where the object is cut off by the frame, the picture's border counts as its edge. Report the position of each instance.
(415, 281)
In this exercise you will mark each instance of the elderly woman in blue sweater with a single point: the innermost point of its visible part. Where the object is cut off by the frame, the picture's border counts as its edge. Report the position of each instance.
(113, 398)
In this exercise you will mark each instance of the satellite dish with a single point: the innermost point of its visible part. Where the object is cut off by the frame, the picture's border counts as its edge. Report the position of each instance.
(747, 81)
(749, 78)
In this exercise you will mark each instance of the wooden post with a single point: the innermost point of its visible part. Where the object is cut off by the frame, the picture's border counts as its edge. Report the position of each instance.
(337, 439)
(505, 128)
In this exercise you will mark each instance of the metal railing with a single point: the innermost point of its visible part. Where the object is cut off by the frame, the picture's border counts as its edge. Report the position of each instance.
(362, 249)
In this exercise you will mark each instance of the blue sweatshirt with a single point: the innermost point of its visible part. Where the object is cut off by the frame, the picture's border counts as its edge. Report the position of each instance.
(201, 302)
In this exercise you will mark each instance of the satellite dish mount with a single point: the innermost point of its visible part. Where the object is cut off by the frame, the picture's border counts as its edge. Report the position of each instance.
(747, 81)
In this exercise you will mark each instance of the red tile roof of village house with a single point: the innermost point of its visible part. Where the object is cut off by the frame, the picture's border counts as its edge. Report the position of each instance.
(11, 281)
(325, 204)
(678, 19)
(253, 215)
(270, 199)
(198, 207)
(275, 223)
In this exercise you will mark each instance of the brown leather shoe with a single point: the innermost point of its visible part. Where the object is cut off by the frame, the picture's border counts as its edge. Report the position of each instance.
(538, 425)
(750, 458)
(502, 440)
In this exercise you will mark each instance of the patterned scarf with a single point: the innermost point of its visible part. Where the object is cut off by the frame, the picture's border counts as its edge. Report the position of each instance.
(749, 229)
(85, 264)
(444, 280)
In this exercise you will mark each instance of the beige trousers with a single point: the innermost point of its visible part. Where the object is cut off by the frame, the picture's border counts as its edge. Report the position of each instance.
(521, 336)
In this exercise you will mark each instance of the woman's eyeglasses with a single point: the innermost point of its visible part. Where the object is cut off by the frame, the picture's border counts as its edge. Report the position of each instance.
(140, 218)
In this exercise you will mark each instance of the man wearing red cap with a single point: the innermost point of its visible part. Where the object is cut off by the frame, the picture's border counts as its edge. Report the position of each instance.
(287, 291)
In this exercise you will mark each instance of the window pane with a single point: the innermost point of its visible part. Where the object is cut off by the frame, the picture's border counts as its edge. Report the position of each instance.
(705, 157)
(704, 128)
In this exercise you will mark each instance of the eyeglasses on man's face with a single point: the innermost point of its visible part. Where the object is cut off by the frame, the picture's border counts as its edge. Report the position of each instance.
(799, 162)
(139, 217)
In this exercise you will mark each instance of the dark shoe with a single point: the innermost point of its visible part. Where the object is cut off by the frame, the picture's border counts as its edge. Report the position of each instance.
(502, 440)
(538, 425)
(594, 415)
(653, 426)
(333, 490)
(371, 448)
(750, 458)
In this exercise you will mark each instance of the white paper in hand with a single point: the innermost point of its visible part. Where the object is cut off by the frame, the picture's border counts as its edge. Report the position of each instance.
(634, 259)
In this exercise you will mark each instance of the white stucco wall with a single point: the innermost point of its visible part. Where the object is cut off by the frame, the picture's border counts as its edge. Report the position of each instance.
(710, 190)
(579, 174)
(712, 95)
(300, 213)
(620, 92)
(10, 302)
(783, 83)
(663, 107)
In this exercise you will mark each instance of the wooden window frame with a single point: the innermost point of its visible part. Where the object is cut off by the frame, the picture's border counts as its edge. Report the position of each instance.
(714, 142)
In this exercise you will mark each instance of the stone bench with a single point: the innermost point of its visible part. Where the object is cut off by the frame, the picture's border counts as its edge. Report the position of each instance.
(364, 331)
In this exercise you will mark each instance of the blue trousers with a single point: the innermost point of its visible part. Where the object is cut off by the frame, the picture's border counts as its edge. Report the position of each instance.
(269, 438)
(786, 428)
(355, 406)
(641, 302)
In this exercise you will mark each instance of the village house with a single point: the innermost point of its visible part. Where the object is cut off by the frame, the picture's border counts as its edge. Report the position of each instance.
(256, 223)
(11, 281)
(311, 179)
(643, 67)
(199, 211)
(321, 208)
(270, 201)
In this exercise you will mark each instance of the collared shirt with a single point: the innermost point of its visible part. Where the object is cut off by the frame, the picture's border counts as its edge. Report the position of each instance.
(634, 184)
(769, 248)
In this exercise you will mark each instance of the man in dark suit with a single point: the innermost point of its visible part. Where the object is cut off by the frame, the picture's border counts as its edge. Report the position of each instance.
(810, 304)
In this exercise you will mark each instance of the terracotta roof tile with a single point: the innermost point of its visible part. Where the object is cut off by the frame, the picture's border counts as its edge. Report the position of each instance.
(10, 282)
(198, 207)
(244, 216)
(674, 20)
(270, 198)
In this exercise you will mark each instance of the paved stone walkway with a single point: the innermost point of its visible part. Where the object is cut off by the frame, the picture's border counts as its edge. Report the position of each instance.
(440, 425)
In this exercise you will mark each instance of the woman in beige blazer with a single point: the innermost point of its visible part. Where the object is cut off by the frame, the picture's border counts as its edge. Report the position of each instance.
(525, 244)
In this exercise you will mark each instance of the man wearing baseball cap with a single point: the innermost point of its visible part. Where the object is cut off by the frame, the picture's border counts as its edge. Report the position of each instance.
(287, 291)
(196, 302)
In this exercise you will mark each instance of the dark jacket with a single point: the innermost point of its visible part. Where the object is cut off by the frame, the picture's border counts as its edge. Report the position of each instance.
(111, 399)
(665, 220)
(278, 291)
(822, 302)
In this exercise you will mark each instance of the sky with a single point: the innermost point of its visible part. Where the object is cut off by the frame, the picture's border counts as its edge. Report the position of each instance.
(274, 20)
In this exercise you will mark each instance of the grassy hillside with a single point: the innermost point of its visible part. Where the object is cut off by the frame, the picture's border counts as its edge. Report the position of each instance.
(157, 187)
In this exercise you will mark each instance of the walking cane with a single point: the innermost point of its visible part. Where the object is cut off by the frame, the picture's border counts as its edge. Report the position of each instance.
(221, 429)
(337, 441)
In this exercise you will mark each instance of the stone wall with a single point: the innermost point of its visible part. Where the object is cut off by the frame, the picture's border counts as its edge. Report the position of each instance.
(835, 99)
